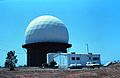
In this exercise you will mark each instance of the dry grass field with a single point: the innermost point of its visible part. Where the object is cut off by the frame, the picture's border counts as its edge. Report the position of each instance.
(112, 71)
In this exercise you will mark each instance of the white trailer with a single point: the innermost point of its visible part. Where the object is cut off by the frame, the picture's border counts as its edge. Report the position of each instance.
(74, 60)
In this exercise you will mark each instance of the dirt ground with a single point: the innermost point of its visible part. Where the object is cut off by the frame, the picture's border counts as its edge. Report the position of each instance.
(36, 72)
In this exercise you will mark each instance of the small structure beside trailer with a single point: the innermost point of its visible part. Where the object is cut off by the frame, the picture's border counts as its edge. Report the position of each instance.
(73, 60)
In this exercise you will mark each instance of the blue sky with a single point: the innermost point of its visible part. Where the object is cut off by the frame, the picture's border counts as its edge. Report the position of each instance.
(96, 22)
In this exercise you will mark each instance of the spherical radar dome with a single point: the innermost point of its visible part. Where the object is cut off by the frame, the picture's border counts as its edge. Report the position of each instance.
(46, 29)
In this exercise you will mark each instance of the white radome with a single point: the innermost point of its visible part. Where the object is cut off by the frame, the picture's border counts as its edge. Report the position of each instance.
(46, 29)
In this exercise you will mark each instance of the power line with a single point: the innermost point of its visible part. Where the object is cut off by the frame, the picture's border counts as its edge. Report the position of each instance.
(24, 50)
(4, 50)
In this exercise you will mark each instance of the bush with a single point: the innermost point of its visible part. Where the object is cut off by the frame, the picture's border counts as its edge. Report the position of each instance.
(53, 63)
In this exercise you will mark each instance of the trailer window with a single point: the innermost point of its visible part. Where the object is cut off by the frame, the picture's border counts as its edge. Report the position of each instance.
(89, 58)
(96, 58)
(73, 58)
(77, 58)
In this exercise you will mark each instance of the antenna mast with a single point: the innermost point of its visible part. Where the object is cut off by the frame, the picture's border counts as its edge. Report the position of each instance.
(87, 48)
